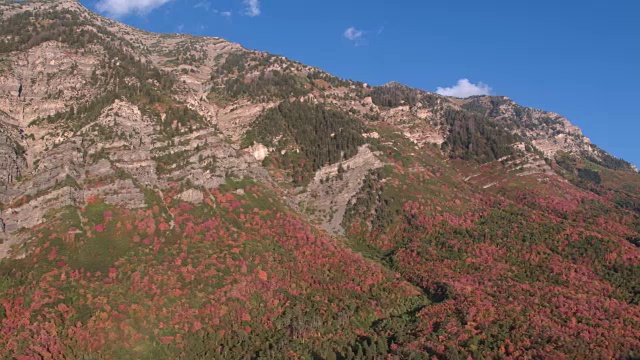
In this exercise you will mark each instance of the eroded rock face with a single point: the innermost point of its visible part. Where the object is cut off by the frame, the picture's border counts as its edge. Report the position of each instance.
(123, 149)
(192, 195)
(548, 131)
(419, 124)
(259, 151)
(331, 190)
(128, 137)
(235, 121)
(53, 75)
(122, 193)
(12, 161)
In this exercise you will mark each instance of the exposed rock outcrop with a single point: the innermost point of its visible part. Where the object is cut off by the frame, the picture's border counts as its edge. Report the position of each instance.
(335, 185)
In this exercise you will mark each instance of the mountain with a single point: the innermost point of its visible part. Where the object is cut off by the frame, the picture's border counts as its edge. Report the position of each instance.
(171, 196)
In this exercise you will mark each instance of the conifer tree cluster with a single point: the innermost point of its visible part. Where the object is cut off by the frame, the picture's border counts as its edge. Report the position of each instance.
(311, 134)
(474, 137)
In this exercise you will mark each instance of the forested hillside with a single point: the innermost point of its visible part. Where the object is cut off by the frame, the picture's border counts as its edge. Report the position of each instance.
(175, 197)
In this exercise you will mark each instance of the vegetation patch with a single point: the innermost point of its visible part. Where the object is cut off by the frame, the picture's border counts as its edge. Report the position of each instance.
(310, 135)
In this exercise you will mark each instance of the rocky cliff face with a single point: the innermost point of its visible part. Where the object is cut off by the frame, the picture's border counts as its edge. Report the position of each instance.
(12, 161)
(113, 110)
(547, 131)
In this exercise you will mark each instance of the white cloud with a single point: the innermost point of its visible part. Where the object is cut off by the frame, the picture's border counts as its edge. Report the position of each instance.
(465, 88)
(353, 34)
(120, 8)
(253, 7)
(206, 5)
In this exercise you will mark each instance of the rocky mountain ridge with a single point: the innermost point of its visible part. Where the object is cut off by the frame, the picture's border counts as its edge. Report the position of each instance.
(58, 76)
(261, 196)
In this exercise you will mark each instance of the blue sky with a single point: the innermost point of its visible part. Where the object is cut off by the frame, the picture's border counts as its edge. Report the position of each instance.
(580, 59)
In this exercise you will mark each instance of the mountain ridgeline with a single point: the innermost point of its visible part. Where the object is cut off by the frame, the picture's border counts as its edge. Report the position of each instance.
(168, 196)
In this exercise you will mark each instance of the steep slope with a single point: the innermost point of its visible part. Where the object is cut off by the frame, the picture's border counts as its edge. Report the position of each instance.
(170, 196)
(549, 132)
